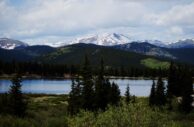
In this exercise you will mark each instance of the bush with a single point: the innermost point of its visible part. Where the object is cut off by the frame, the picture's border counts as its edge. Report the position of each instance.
(134, 115)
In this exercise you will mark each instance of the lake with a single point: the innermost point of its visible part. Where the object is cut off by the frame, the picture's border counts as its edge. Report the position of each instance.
(138, 87)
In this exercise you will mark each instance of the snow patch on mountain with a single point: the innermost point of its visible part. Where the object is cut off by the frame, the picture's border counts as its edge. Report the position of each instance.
(157, 43)
(103, 39)
(9, 44)
(186, 43)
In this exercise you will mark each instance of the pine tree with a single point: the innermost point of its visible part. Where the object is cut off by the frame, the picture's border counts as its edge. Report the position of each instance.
(160, 93)
(75, 99)
(102, 89)
(187, 91)
(152, 97)
(127, 95)
(114, 94)
(87, 86)
(17, 101)
(174, 85)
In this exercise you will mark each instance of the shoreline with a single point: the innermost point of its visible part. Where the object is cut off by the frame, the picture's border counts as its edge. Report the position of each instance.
(69, 77)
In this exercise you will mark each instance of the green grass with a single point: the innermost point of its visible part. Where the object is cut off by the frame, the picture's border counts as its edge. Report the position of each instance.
(51, 111)
(155, 64)
(44, 111)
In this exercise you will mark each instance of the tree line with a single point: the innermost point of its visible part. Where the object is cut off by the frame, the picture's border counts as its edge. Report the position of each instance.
(58, 70)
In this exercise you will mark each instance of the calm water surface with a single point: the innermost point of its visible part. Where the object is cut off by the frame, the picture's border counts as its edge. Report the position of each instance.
(138, 87)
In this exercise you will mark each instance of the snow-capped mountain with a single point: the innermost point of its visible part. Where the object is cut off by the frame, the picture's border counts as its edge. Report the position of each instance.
(157, 43)
(103, 39)
(7, 43)
(187, 43)
(145, 48)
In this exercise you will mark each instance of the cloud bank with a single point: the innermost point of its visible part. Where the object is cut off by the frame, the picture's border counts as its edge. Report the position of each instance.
(49, 21)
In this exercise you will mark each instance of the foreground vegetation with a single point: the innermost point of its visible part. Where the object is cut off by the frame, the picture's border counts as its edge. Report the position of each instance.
(51, 111)
(95, 102)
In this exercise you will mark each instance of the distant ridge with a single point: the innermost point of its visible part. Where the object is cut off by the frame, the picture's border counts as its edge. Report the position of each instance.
(7, 43)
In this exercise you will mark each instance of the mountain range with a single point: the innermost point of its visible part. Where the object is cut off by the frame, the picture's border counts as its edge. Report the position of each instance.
(116, 49)
(105, 39)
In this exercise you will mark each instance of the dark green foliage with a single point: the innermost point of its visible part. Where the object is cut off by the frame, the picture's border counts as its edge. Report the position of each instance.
(4, 103)
(73, 54)
(58, 70)
(87, 85)
(180, 84)
(160, 93)
(114, 94)
(102, 89)
(174, 84)
(127, 95)
(75, 98)
(152, 97)
(17, 101)
(133, 99)
(133, 115)
(92, 94)
(187, 91)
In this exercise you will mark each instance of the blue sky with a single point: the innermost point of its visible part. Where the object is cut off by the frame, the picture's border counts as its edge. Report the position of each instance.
(50, 21)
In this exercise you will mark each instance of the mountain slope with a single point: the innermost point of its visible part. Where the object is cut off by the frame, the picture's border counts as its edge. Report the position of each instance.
(10, 55)
(146, 49)
(7, 43)
(74, 54)
(187, 43)
(24, 54)
(118, 55)
(36, 50)
(184, 55)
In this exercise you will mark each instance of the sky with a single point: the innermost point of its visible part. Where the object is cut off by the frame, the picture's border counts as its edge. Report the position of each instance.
(54, 21)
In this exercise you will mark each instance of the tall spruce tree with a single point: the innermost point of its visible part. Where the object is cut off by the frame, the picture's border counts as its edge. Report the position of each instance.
(171, 80)
(114, 94)
(160, 93)
(186, 103)
(18, 105)
(75, 99)
(87, 86)
(174, 86)
(152, 97)
(127, 95)
(102, 89)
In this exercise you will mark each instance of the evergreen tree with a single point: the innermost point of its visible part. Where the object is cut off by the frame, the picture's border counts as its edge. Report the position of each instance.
(160, 93)
(187, 91)
(127, 95)
(87, 86)
(152, 97)
(171, 79)
(17, 101)
(102, 88)
(114, 94)
(74, 101)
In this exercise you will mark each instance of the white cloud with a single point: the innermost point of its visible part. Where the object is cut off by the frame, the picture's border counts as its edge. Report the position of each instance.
(59, 19)
(179, 15)
(176, 30)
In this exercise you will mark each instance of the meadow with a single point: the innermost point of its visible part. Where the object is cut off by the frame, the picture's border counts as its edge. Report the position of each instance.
(51, 111)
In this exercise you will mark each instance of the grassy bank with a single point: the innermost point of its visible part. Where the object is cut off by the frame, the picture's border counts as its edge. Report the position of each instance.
(51, 111)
